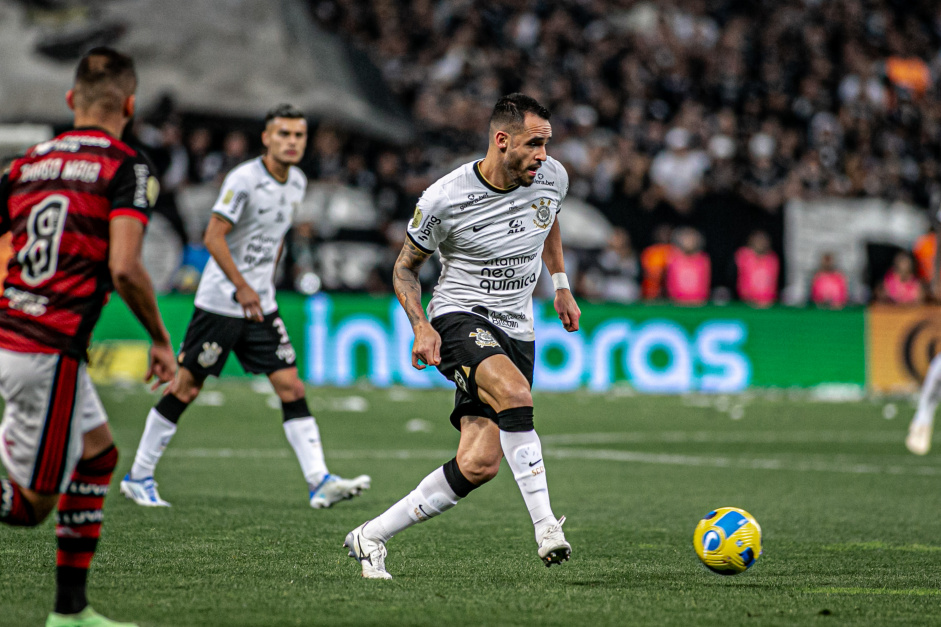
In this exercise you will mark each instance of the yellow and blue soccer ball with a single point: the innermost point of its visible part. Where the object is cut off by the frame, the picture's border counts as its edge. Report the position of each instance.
(728, 540)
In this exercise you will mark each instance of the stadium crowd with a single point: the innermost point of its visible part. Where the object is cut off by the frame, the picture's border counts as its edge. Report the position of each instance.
(688, 124)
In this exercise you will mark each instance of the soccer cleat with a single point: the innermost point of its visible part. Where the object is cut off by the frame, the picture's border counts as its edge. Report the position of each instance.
(371, 554)
(142, 491)
(919, 439)
(553, 549)
(86, 618)
(333, 489)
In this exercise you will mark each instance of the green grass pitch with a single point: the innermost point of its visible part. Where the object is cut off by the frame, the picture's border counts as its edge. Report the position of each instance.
(852, 534)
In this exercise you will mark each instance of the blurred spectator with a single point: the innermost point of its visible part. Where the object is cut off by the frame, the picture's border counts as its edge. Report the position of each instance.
(198, 144)
(234, 151)
(654, 260)
(924, 252)
(689, 272)
(757, 269)
(677, 172)
(900, 285)
(828, 287)
(613, 274)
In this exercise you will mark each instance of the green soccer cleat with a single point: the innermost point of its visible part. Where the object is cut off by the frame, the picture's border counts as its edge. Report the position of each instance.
(86, 618)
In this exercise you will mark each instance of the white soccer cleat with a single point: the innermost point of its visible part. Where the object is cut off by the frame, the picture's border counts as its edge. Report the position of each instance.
(333, 489)
(142, 491)
(919, 439)
(553, 549)
(371, 554)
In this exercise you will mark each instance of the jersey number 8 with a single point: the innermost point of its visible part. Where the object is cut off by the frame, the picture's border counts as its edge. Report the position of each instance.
(44, 227)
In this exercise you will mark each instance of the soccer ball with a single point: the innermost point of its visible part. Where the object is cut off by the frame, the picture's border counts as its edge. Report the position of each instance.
(728, 540)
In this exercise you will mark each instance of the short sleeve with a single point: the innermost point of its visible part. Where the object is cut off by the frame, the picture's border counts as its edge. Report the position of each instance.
(428, 226)
(134, 189)
(563, 186)
(232, 197)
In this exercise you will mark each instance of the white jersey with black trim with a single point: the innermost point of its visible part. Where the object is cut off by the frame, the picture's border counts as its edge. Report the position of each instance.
(490, 240)
(261, 210)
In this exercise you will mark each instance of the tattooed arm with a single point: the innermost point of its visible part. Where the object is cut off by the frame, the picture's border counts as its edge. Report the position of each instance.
(427, 346)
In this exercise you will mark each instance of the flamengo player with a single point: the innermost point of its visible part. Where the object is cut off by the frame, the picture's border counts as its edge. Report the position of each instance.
(77, 206)
(236, 311)
(494, 222)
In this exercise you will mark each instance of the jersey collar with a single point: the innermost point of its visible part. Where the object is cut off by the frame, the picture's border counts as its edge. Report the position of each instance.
(483, 180)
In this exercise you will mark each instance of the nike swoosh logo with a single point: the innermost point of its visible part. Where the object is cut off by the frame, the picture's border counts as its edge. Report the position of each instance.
(531, 464)
(482, 226)
(261, 211)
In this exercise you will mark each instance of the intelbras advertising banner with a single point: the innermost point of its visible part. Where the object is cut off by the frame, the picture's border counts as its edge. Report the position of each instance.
(653, 349)
(348, 339)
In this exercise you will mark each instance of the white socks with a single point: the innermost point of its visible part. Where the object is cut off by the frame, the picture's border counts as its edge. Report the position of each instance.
(157, 434)
(523, 453)
(930, 394)
(304, 437)
(432, 496)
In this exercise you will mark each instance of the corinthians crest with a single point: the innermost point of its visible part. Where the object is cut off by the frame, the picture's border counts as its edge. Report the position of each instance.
(210, 354)
(484, 338)
(543, 217)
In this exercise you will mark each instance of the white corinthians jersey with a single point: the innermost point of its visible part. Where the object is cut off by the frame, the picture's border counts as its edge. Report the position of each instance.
(490, 241)
(261, 210)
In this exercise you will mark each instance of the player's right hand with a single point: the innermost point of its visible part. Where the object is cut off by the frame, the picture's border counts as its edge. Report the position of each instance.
(250, 302)
(162, 365)
(426, 351)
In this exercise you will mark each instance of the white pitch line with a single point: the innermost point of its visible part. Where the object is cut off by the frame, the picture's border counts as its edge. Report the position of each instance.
(727, 437)
(634, 457)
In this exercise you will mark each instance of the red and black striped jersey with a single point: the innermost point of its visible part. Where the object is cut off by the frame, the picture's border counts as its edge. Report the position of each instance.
(58, 201)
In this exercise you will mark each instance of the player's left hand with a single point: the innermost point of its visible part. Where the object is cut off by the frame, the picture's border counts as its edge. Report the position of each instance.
(568, 310)
(162, 365)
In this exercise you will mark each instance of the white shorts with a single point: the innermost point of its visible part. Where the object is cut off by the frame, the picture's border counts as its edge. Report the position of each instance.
(50, 404)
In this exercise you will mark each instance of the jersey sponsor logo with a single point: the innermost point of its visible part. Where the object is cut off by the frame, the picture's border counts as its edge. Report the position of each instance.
(210, 354)
(147, 187)
(263, 210)
(425, 232)
(481, 227)
(473, 199)
(484, 338)
(72, 143)
(40, 256)
(542, 180)
(506, 320)
(543, 217)
(516, 226)
(27, 302)
(416, 219)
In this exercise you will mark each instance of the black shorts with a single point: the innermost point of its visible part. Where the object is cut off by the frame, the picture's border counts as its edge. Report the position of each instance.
(261, 347)
(466, 340)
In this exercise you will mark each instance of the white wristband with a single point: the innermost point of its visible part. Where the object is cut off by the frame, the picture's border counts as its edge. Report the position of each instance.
(560, 281)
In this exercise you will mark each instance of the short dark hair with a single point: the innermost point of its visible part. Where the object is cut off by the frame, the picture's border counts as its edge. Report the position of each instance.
(511, 110)
(284, 110)
(104, 77)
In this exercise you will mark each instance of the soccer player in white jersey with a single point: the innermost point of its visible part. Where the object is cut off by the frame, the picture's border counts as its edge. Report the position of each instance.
(236, 311)
(494, 223)
(921, 428)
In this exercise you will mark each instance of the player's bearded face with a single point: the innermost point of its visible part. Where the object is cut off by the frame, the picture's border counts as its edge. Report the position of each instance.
(286, 139)
(526, 151)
